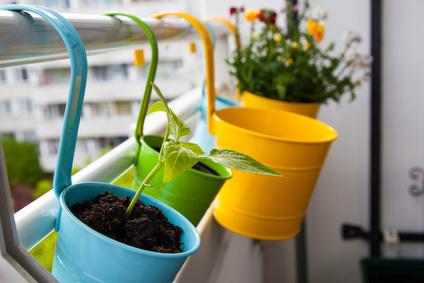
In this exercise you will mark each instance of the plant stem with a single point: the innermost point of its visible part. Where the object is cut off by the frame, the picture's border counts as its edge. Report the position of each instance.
(165, 139)
(146, 181)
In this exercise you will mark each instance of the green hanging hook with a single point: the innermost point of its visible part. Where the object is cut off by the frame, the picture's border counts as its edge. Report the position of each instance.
(138, 133)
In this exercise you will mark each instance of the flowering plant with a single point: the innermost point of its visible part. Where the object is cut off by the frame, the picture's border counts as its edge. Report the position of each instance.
(289, 63)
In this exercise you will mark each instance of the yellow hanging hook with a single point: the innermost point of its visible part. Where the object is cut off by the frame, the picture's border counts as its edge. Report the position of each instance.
(139, 59)
(192, 47)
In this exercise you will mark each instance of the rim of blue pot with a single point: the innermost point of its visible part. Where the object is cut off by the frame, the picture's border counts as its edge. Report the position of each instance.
(228, 175)
(124, 246)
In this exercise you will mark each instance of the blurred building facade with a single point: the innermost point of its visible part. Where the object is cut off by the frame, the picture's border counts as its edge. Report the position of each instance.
(33, 97)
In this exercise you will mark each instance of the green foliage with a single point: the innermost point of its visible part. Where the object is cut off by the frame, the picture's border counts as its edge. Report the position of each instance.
(238, 161)
(44, 251)
(176, 128)
(22, 163)
(290, 64)
(177, 159)
(126, 179)
(42, 187)
(75, 170)
(181, 156)
(176, 156)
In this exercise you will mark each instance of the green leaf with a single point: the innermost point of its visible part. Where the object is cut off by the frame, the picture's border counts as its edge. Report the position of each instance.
(193, 147)
(158, 106)
(178, 158)
(239, 161)
(177, 127)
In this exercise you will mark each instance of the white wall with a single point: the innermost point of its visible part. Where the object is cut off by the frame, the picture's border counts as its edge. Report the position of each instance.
(403, 119)
(344, 179)
(342, 191)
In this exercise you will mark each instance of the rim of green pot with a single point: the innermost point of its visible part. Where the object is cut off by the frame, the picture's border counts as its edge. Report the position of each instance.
(224, 172)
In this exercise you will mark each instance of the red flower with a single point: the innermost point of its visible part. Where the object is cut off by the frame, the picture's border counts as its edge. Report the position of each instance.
(233, 10)
(273, 18)
(262, 15)
(268, 17)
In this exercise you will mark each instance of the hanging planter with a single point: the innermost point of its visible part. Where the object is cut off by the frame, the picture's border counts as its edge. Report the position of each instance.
(193, 191)
(264, 207)
(258, 206)
(83, 254)
(256, 101)
(251, 100)
(289, 68)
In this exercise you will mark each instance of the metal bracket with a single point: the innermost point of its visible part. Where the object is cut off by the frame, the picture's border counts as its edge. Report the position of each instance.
(416, 174)
(389, 236)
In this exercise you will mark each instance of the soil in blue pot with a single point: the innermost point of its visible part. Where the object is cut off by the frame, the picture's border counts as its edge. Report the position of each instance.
(145, 228)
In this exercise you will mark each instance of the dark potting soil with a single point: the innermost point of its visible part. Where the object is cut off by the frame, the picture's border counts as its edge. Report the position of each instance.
(146, 228)
(199, 166)
(202, 167)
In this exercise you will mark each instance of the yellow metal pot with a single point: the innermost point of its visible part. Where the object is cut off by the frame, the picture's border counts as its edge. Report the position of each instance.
(264, 207)
(255, 101)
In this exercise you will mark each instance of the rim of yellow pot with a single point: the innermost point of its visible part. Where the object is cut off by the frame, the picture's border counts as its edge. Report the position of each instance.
(330, 136)
(277, 101)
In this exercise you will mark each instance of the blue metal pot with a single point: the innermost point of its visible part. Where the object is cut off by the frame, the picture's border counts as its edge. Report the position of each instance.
(84, 255)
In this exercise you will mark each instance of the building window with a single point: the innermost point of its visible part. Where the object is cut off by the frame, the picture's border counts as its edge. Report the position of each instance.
(2, 76)
(123, 107)
(29, 136)
(5, 107)
(21, 75)
(167, 68)
(110, 72)
(82, 146)
(95, 110)
(7, 135)
(52, 146)
(119, 140)
(24, 74)
(24, 106)
(55, 76)
(54, 111)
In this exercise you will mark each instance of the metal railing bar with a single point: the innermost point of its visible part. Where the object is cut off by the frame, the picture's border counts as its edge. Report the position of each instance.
(25, 39)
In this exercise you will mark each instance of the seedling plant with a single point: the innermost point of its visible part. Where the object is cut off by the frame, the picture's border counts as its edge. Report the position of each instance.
(176, 156)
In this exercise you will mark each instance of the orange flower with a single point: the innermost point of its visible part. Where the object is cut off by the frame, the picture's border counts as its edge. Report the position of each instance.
(319, 33)
(311, 26)
(251, 15)
(316, 29)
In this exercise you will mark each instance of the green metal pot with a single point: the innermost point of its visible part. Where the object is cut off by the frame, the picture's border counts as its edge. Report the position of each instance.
(190, 193)
(193, 191)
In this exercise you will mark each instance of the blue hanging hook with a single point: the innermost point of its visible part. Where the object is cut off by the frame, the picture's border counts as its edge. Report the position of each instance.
(78, 80)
